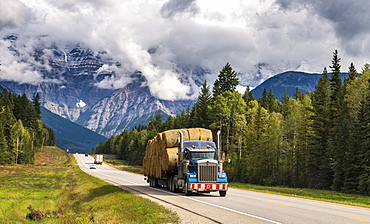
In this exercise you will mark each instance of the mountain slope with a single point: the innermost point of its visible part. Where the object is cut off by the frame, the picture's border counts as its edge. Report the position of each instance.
(287, 82)
(71, 86)
(127, 108)
(70, 135)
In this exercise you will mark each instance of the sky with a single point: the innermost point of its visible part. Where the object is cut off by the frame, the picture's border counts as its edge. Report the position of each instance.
(158, 37)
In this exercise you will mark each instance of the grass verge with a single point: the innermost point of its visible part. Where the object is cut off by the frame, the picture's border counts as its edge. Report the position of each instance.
(112, 160)
(66, 194)
(321, 195)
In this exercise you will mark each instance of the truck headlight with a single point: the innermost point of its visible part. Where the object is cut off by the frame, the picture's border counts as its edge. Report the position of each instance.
(193, 176)
(222, 175)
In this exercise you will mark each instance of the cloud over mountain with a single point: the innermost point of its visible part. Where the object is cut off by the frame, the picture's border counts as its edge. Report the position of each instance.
(161, 37)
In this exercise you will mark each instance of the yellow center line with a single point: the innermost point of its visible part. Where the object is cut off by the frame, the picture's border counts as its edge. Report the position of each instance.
(276, 203)
(359, 219)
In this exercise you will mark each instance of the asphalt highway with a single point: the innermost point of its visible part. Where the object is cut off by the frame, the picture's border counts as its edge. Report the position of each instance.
(239, 206)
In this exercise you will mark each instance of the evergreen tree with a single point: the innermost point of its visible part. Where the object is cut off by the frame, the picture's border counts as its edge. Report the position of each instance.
(155, 124)
(200, 115)
(348, 117)
(167, 125)
(248, 96)
(335, 84)
(182, 120)
(298, 94)
(320, 173)
(3, 140)
(296, 131)
(37, 105)
(258, 146)
(336, 147)
(227, 81)
(366, 69)
(364, 145)
(272, 102)
(24, 110)
(263, 100)
(229, 116)
(352, 73)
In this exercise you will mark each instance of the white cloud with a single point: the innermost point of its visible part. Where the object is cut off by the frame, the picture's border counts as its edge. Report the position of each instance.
(14, 14)
(190, 33)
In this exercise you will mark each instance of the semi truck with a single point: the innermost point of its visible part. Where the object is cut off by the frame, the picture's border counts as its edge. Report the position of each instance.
(98, 159)
(186, 160)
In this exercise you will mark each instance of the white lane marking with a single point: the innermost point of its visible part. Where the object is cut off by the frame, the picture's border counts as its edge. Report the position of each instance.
(207, 203)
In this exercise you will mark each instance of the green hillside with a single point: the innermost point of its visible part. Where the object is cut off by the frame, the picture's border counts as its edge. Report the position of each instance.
(70, 135)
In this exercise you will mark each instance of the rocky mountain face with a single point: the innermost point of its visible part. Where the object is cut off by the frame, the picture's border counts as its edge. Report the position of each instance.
(72, 73)
(73, 93)
(126, 108)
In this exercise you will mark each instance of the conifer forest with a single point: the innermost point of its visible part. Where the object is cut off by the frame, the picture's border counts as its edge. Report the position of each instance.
(22, 133)
(318, 139)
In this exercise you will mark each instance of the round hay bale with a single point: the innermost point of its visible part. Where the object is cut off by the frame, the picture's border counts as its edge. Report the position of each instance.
(161, 151)
(172, 158)
(206, 134)
(171, 138)
(194, 133)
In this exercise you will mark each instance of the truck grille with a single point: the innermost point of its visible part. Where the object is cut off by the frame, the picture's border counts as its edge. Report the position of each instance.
(207, 173)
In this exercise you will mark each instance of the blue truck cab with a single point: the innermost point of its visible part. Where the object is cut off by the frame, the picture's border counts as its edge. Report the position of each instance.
(202, 166)
(201, 152)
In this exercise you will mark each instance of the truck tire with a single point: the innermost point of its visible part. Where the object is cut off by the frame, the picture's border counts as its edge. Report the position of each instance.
(176, 190)
(171, 184)
(155, 182)
(222, 193)
(186, 191)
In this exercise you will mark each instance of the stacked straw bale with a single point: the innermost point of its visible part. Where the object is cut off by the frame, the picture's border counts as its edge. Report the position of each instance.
(161, 151)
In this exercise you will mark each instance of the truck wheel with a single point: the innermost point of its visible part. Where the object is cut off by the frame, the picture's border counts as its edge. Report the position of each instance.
(155, 182)
(186, 191)
(222, 193)
(171, 184)
(175, 189)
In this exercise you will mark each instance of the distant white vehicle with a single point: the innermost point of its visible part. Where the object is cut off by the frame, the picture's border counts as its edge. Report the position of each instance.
(98, 159)
(92, 166)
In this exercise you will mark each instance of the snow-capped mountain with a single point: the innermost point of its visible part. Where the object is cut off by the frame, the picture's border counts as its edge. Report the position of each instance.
(78, 84)
(70, 87)
(126, 108)
(263, 71)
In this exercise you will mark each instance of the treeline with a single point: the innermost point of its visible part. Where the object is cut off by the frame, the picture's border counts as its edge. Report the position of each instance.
(22, 133)
(318, 140)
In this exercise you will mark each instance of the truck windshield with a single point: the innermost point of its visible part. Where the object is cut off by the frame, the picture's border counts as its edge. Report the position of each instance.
(202, 155)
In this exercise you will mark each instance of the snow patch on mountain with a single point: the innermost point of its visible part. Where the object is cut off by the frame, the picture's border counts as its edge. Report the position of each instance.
(264, 71)
(80, 104)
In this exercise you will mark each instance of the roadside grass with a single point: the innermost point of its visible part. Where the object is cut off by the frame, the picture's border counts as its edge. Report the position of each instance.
(321, 195)
(66, 194)
(121, 164)
(89, 200)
